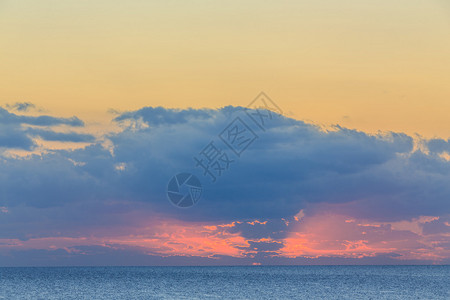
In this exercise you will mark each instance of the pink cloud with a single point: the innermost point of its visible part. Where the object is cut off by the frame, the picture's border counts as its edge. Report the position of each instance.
(328, 234)
(318, 235)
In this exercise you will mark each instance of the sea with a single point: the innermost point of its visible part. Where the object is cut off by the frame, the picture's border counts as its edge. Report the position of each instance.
(231, 282)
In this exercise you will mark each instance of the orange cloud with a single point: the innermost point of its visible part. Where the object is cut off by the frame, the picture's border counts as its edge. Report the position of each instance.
(164, 238)
(321, 235)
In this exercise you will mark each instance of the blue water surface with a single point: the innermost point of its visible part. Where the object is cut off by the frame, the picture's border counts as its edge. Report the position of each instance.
(253, 282)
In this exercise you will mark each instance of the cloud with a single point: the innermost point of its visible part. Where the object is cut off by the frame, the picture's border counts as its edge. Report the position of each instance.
(329, 234)
(21, 106)
(290, 166)
(316, 237)
(438, 145)
(50, 135)
(15, 137)
(16, 133)
(162, 116)
(43, 120)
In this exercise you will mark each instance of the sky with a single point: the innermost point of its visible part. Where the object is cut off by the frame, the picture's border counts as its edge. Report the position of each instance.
(103, 102)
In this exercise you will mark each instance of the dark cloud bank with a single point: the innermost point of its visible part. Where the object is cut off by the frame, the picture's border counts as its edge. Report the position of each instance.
(292, 165)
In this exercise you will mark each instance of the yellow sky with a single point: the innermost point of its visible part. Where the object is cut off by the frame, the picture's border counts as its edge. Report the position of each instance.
(371, 65)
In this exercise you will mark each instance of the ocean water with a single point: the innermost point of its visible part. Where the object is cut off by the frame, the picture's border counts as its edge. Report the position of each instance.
(258, 282)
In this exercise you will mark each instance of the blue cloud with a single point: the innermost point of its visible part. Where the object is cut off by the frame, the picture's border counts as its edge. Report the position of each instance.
(15, 137)
(162, 116)
(16, 133)
(50, 135)
(10, 118)
(438, 145)
(21, 106)
(291, 165)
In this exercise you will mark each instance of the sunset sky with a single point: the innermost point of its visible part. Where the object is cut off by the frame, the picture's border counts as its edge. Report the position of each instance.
(102, 102)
